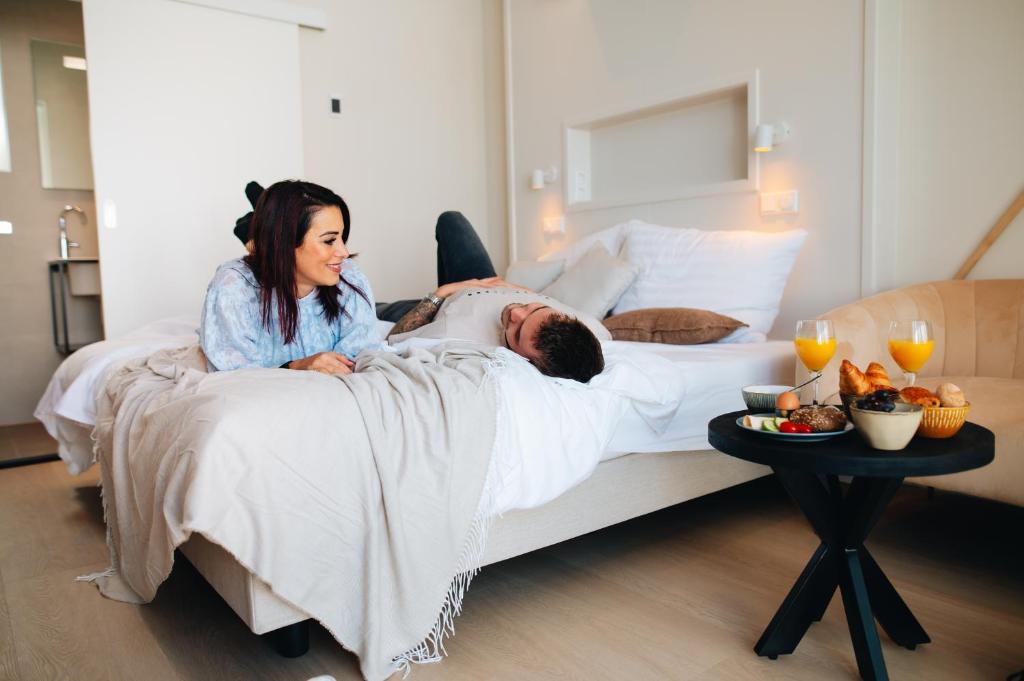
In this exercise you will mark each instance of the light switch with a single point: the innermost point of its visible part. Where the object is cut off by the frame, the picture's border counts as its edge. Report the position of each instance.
(336, 106)
(109, 214)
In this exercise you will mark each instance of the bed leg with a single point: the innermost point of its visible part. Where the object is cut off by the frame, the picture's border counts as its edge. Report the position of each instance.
(290, 641)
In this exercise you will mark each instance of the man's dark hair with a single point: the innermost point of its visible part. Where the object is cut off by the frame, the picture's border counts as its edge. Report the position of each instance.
(568, 349)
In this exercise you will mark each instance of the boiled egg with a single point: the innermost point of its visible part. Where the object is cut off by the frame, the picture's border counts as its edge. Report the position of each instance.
(787, 402)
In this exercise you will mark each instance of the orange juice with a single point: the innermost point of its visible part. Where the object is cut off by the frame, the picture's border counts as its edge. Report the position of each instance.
(909, 355)
(814, 354)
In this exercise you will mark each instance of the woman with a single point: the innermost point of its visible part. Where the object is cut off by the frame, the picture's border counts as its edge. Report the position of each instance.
(298, 300)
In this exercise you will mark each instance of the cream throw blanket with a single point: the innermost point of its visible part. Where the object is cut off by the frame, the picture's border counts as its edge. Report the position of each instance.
(362, 501)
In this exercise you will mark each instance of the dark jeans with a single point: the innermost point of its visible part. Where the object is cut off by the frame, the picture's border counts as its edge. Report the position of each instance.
(460, 256)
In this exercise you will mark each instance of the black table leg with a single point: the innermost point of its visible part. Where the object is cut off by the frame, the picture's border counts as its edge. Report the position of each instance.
(892, 613)
(842, 561)
(805, 603)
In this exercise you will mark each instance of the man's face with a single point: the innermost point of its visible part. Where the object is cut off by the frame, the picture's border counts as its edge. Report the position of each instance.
(520, 323)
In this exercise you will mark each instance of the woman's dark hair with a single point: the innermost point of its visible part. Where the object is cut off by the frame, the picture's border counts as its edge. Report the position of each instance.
(279, 224)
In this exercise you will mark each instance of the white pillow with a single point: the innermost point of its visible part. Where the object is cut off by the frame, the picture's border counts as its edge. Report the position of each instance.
(611, 238)
(595, 283)
(737, 273)
(533, 274)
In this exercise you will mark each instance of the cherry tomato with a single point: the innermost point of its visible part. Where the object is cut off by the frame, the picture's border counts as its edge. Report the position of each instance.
(787, 427)
(803, 428)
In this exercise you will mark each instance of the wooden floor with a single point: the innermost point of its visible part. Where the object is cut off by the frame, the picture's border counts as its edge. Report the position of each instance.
(680, 594)
(26, 439)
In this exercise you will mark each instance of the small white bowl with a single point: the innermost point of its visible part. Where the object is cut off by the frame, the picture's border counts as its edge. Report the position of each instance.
(761, 398)
(891, 430)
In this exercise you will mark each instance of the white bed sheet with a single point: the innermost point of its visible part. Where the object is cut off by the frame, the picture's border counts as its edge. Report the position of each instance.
(712, 376)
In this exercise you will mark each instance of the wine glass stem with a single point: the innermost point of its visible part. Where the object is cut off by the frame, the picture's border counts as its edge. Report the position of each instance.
(911, 377)
(815, 392)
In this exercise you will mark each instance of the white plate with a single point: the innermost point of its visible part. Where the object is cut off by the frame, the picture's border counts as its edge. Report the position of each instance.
(794, 437)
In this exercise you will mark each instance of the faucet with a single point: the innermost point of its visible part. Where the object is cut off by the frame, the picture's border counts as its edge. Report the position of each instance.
(62, 225)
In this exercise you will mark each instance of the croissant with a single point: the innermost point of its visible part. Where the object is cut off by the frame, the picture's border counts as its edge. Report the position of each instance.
(877, 375)
(918, 395)
(852, 380)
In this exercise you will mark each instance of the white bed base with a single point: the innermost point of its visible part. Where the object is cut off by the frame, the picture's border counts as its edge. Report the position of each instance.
(619, 489)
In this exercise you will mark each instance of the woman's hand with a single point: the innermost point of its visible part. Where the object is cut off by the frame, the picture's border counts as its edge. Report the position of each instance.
(325, 362)
(490, 282)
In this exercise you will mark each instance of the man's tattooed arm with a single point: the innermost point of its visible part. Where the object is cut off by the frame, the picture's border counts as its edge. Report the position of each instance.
(420, 315)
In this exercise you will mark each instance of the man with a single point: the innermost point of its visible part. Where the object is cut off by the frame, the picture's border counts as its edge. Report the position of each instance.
(472, 303)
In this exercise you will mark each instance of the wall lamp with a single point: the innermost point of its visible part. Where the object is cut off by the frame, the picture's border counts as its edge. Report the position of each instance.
(768, 135)
(539, 178)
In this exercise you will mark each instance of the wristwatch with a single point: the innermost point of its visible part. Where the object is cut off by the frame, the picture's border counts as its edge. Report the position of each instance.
(434, 300)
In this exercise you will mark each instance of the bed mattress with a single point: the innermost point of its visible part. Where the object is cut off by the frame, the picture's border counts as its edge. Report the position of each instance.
(705, 382)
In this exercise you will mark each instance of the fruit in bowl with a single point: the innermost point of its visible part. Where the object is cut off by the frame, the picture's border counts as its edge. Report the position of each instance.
(890, 430)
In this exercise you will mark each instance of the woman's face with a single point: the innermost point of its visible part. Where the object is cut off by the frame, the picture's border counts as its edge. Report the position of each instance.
(318, 259)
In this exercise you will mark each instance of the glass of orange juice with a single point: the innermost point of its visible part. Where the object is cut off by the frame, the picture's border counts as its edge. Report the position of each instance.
(815, 344)
(911, 344)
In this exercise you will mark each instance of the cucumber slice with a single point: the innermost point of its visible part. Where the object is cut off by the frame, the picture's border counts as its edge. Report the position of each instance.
(779, 421)
(769, 425)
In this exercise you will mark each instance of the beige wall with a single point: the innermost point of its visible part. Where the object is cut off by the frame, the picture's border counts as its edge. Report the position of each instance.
(26, 340)
(576, 56)
(960, 153)
(422, 128)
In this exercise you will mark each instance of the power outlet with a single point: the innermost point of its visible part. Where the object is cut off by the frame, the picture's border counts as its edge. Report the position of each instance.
(554, 225)
(778, 203)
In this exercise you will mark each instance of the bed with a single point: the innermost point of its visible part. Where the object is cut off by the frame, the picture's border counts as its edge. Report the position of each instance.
(659, 453)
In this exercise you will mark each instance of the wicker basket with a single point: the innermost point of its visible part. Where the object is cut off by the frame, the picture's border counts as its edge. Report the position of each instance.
(941, 422)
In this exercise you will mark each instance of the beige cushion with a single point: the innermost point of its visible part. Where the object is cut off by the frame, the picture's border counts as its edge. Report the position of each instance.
(674, 325)
(533, 274)
(595, 283)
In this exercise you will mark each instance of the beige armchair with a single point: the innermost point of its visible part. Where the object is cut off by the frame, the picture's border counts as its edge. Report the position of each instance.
(979, 345)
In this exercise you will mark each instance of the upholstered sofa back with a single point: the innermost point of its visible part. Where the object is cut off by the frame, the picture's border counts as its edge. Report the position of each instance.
(978, 326)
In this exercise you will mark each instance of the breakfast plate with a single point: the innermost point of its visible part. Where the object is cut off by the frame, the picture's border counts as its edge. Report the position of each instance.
(790, 437)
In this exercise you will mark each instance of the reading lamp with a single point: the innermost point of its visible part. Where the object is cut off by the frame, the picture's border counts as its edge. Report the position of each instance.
(770, 134)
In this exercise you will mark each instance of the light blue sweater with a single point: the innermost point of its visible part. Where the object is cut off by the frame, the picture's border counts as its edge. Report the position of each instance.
(233, 336)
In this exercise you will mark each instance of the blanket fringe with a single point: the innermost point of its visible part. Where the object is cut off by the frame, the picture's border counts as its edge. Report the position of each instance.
(92, 577)
(431, 649)
(111, 549)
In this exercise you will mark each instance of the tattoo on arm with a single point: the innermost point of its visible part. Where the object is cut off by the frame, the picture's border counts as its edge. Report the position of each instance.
(419, 316)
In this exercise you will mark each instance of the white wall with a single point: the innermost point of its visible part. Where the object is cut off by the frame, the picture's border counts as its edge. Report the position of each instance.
(421, 132)
(574, 56)
(187, 103)
(955, 102)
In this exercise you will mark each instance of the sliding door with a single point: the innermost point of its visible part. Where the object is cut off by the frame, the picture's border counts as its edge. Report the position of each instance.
(187, 103)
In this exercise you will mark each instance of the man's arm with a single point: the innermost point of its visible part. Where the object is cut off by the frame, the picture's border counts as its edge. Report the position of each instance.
(420, 315)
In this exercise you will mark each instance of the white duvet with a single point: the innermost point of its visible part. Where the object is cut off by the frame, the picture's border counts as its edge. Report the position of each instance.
(556, 430)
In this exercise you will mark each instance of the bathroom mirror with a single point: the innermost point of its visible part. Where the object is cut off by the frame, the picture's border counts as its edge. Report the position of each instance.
(62, 115)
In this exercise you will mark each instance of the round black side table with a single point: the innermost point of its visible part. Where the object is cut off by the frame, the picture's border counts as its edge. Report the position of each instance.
(809, 471)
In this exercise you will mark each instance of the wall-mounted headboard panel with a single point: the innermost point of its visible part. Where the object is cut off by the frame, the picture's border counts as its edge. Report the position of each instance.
(681, 146)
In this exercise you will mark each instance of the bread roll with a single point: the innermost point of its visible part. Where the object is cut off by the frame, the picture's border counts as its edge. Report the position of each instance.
(950, 395)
